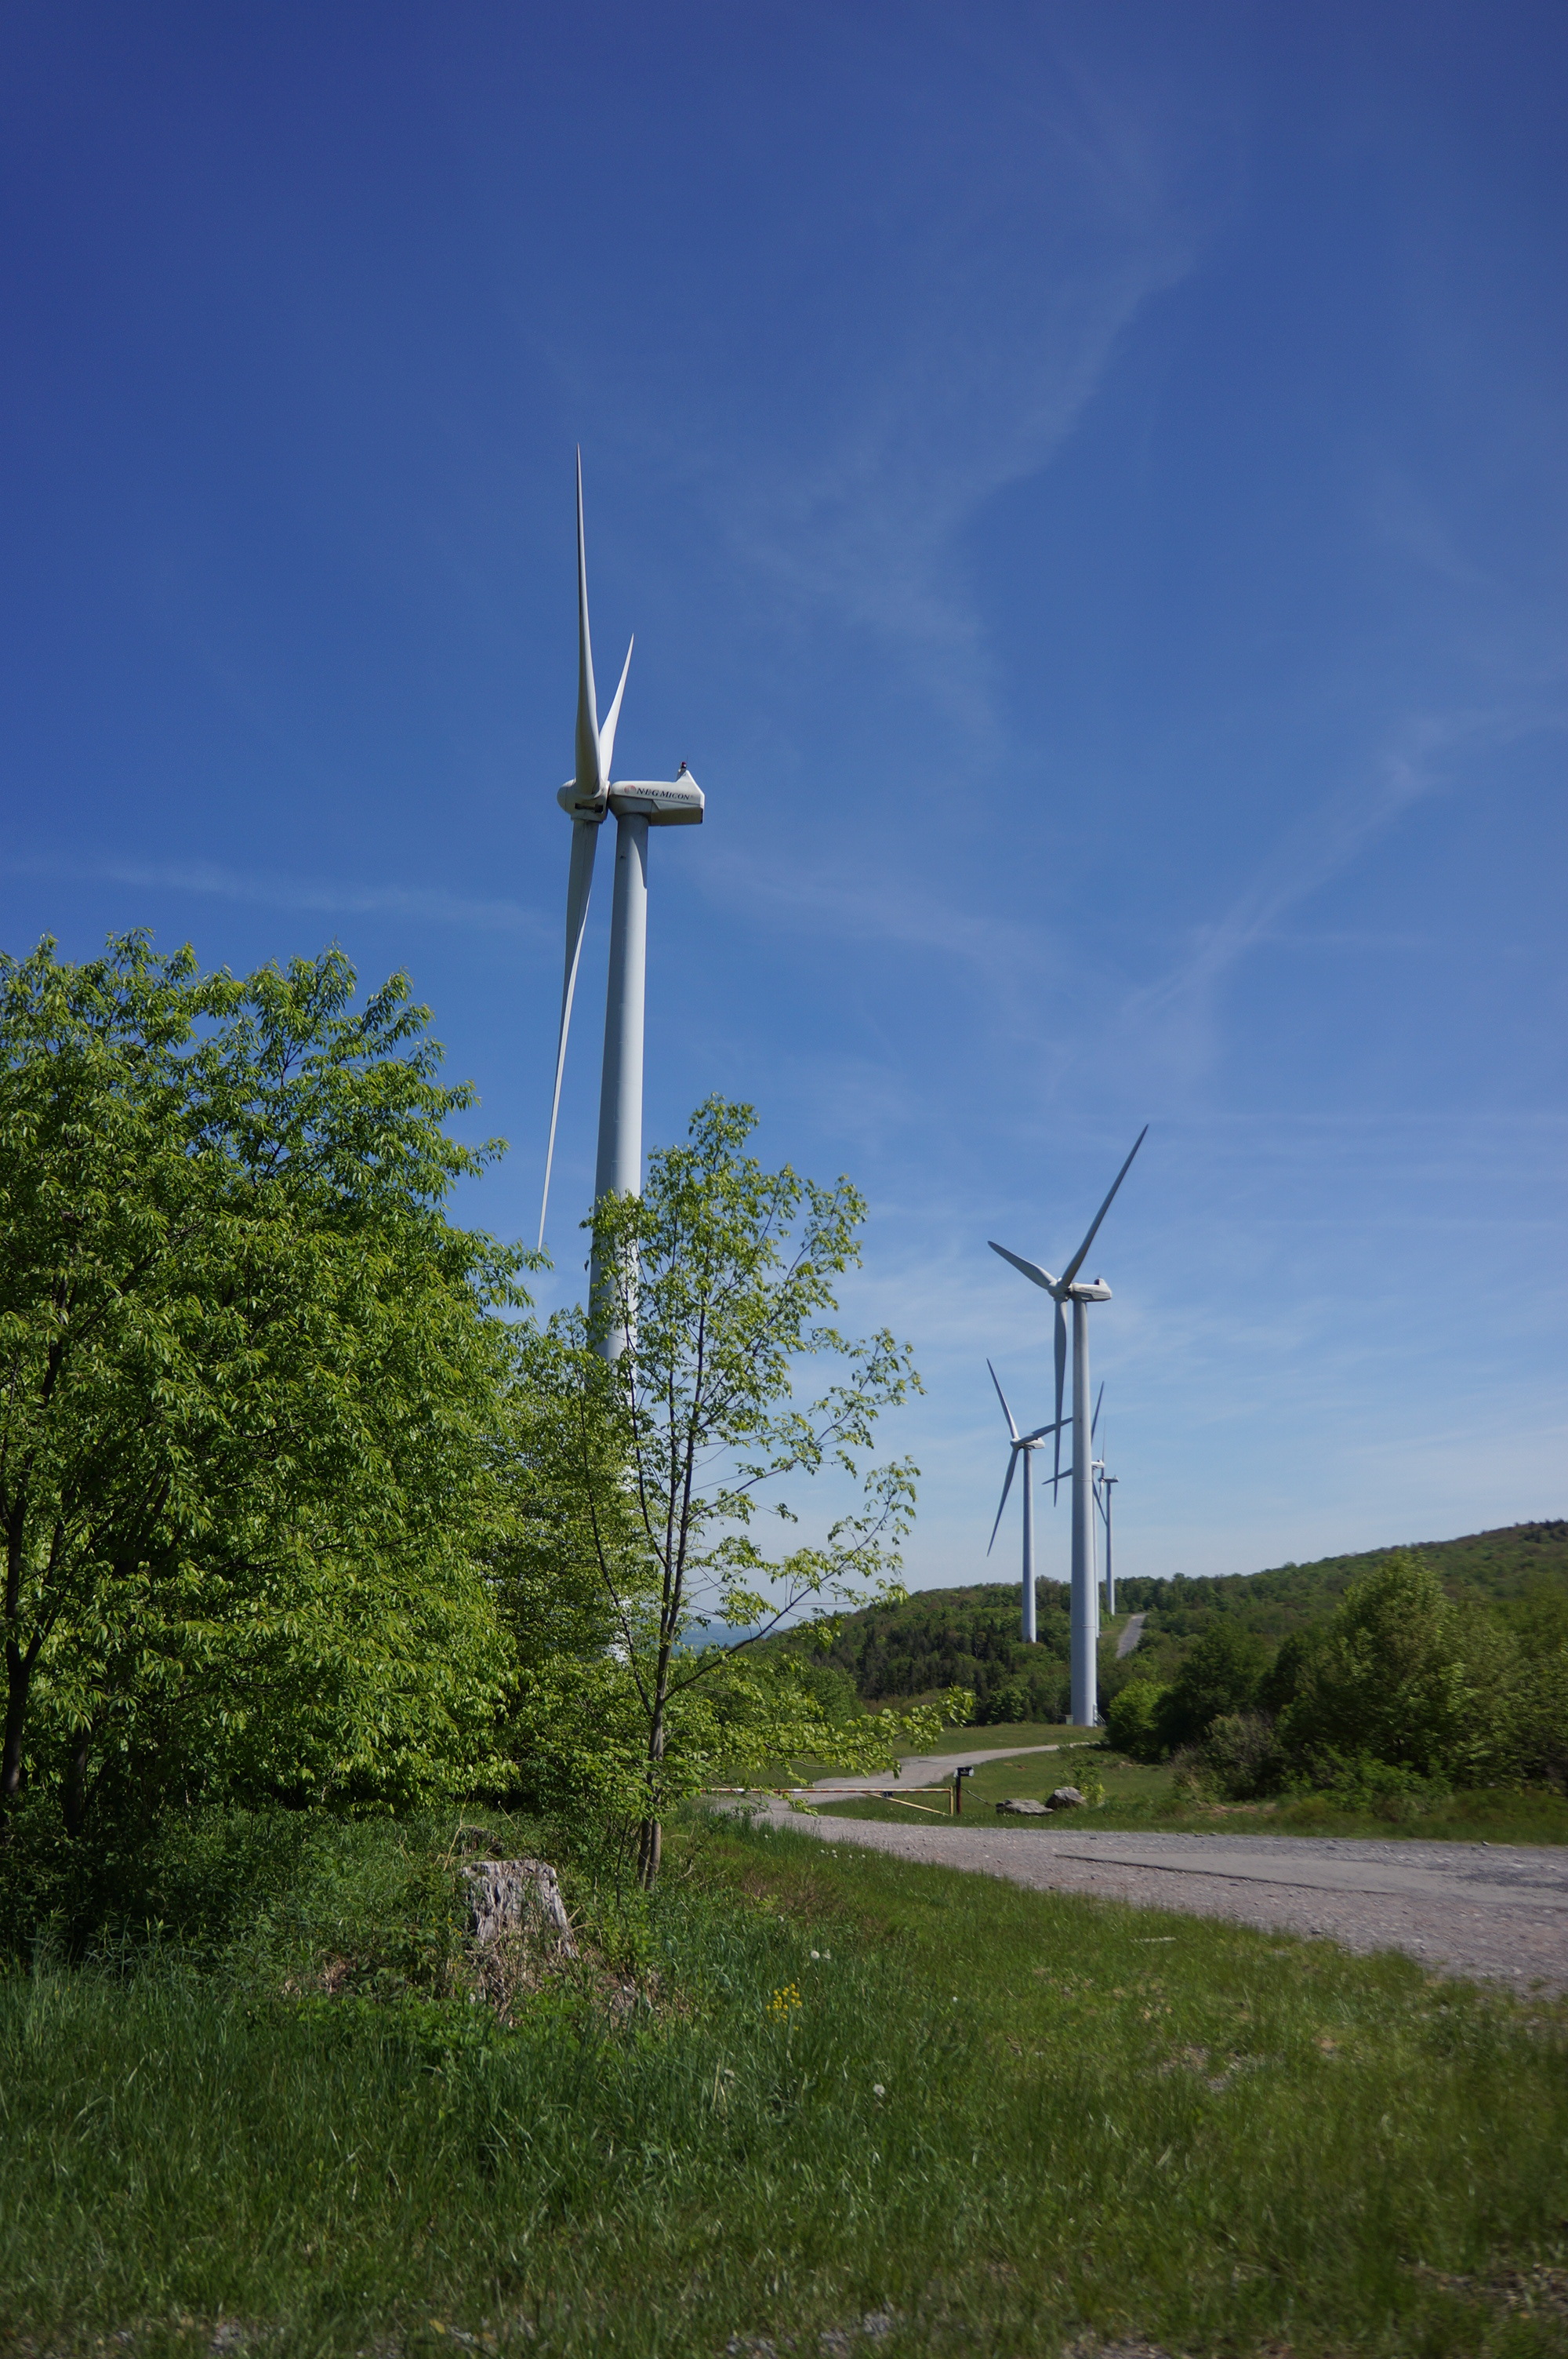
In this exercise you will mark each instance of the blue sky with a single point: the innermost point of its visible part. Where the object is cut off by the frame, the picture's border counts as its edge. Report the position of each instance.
(1089, 485)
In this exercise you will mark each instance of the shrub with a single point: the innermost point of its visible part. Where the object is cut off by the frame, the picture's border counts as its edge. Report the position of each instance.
(1131, 1720)
(1361, 1782)
(1238, 1755)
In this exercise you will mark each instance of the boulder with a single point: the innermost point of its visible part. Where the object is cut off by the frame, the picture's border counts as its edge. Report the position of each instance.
(516, 1899)
(1065, 1798)
(1022, 1809)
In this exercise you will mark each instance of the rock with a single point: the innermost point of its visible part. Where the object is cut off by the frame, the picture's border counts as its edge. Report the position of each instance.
(512, 1898)
(1065, 1798)
(1023, 1809)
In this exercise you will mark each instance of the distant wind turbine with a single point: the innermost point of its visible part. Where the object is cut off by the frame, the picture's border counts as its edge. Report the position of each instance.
(1023, 1445)
(1062, 1291)
(637, 804)
(1105, 1483)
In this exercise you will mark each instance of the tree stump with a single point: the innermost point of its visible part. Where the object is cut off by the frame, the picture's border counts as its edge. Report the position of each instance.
(516, 1901)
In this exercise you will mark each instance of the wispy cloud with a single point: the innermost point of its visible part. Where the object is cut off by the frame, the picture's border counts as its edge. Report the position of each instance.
(1416, 761)
(883, 908)
(260, 890)
(967, 322)
(973, 401)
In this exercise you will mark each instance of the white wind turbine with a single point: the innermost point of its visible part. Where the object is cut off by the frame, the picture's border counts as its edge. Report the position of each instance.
(1062, 1291)
(1105, 1483)
(637, 804)
(1023, 1445)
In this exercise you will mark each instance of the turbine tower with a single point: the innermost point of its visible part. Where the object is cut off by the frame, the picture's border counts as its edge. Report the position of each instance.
(1023, 1444)
(1062, 1291)
(636, 804)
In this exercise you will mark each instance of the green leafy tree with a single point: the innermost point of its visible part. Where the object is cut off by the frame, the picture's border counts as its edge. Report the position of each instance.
(1221, 1675)
(247, 1386)
(1402, 1677)
(1540, 1731)
(718, 1282)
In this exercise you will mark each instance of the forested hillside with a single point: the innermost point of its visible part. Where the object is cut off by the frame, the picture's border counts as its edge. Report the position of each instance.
(969, 1637)
(1497, 1568)
(1496, 1565)
(961, 1637)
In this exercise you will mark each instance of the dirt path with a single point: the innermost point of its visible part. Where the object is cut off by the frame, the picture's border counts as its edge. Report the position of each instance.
(1491, 1911)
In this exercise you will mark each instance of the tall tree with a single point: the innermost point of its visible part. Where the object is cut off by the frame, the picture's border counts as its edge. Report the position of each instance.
(689, 1438)
(247, 1383)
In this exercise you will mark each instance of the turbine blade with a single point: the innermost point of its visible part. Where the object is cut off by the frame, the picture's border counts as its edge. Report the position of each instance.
(591, 778)
(579, 884)
(1011, 1462)
(606, 735)
(1042, 1430)
(1077, 1261)
(1061, 1378)
(1002, 1397)
(1094, 1421)
(1029, 1268)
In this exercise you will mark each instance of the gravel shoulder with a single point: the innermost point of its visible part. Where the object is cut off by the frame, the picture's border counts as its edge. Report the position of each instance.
(1492, 1912)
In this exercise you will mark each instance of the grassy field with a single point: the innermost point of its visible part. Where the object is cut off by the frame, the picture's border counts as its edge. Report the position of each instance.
(843, 2105)
(1135, 1798)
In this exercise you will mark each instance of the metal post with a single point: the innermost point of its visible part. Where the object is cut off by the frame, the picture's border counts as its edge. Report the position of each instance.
(1085, 1600)
(620, 1166)
(1028, 1458)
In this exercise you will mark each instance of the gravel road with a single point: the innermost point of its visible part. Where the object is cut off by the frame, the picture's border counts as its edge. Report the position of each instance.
(1493, 1912)
(1131, 1635)
(917, 1769)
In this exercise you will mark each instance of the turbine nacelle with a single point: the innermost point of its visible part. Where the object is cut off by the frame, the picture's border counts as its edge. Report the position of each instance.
(663, 802)
(1080, 1291)
(672, 802)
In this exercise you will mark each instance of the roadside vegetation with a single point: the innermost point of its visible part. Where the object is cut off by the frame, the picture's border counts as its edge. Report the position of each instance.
(1396, 1702)
(333, 1573)
(1129, 1796)
(1401, 1699)
(300, 1502)
(792, 2094)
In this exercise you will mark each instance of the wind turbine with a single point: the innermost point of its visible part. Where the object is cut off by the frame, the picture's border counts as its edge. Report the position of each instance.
(588, 797)
(1105, 1482)
(1062, 1291)
(1023, 1445)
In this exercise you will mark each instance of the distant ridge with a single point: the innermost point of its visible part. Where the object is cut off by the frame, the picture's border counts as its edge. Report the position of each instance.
(1496, 1564)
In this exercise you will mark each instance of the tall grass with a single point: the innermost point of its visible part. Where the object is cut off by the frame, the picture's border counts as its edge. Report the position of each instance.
(849, 2090)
